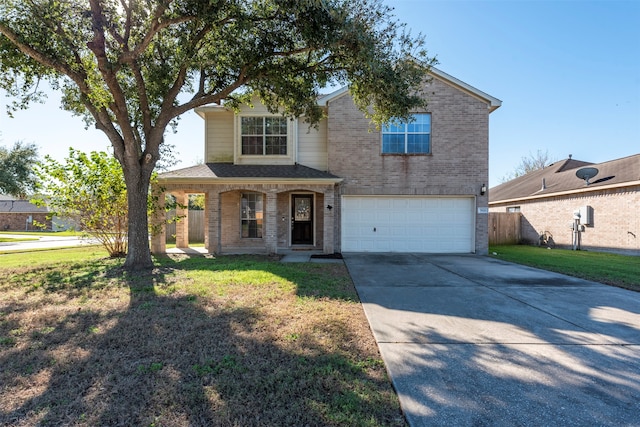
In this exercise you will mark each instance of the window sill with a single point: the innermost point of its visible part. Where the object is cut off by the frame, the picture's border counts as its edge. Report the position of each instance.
(407, 154)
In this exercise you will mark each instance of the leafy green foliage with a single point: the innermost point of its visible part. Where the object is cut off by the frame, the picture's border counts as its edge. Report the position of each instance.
(90, 190)
(131, 68)
(16, 174)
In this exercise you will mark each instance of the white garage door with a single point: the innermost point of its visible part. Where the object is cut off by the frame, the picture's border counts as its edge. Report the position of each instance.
(408, 224)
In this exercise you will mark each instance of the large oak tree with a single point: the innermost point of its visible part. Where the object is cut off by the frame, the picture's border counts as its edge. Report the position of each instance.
(132, 67)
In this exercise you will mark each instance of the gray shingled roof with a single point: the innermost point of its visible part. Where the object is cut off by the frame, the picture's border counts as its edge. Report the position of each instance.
(560, 177)
(228, 170)
(20, 206)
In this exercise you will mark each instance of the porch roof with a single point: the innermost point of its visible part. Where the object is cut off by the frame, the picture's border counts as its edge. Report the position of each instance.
(210, 172)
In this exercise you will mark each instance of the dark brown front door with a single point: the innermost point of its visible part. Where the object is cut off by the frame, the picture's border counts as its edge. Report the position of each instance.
(302, 219)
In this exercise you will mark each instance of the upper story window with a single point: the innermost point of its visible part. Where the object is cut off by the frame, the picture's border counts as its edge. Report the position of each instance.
(264, 136)
(513, 209)
(408, 138)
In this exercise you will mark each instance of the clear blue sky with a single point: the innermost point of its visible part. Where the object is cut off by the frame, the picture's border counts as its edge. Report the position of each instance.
(568, 73)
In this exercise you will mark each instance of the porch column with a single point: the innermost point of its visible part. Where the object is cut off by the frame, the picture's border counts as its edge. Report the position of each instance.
(328, 231)
(271, 223)
(212, 222)
(159, 224)
(182, 226)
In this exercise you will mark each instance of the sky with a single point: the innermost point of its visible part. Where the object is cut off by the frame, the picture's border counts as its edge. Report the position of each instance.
(567, 72)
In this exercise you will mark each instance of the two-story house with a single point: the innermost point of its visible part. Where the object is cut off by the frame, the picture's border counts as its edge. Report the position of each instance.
(274, 184)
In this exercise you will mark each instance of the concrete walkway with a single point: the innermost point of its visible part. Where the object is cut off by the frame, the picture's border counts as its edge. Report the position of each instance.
(474, 341)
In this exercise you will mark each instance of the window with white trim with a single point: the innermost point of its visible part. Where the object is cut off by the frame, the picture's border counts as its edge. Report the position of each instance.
(251, 215)
(408, 137)
(262, 136)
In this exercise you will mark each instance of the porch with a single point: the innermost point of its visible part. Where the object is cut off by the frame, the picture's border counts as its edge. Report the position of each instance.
(284, 209)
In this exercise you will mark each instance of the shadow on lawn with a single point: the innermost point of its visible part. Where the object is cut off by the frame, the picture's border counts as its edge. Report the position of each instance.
(167, 359)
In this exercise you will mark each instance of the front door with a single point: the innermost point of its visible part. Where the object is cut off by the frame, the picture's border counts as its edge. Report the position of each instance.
(302, 219)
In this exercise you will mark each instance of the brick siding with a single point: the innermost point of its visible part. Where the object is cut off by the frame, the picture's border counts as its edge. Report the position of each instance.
(18, 221)
(616, 221)
(457, 165)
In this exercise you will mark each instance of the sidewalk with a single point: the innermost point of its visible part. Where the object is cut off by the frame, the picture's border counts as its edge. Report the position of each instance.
(42, 242)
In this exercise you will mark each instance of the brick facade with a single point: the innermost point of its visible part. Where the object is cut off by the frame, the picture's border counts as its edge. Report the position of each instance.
(18, 221)
(457, 165)
(222, 217)
(616, 220)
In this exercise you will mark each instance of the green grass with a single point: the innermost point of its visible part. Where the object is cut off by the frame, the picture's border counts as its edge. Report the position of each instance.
(231, 340)
(611, 269)
(15, 239)
(68, 233)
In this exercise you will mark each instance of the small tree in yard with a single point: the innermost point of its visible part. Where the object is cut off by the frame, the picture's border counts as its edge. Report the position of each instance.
(16, 176)
(132, 67)
(90, 190)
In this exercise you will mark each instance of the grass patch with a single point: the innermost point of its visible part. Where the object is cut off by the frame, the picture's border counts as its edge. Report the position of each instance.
(612, 269)
(68, 233)
(16, 239)
(227, 341)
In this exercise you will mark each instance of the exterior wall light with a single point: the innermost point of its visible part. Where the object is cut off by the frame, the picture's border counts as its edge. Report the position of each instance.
(483, 189)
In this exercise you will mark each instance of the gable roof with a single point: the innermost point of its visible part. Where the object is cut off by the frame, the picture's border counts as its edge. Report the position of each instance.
(560, 178)
(20, 206)
(247, 173)
(492, 102)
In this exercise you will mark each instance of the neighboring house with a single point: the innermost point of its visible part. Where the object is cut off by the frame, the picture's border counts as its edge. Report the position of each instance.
(19, 215)
(274, 184)
(548, 198)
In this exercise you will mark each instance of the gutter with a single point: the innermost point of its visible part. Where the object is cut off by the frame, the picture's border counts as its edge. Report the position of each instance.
(223, 181)
(568, 192)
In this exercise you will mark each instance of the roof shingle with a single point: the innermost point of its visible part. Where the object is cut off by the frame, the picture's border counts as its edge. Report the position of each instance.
(561, 177)
(228, 170)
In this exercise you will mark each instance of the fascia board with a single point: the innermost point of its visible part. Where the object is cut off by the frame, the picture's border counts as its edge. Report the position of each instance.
(268, 181)
(580, 191)
(494, 103)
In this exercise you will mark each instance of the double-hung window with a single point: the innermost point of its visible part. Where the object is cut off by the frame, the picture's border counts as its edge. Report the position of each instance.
(408, 137)
(264, 136)
(251, 215)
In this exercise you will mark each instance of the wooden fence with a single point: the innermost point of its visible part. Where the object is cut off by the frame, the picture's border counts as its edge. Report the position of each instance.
(196, 227)
(504, 228)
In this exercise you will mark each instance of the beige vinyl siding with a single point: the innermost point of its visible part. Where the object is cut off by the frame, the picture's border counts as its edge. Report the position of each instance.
(312, 145)
(259, 109)
(219, 137)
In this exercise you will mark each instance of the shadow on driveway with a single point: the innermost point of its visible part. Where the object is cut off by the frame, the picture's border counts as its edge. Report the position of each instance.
(471, 340)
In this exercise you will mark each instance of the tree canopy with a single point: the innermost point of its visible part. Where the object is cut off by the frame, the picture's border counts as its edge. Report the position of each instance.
(131, 67)
(16, 169)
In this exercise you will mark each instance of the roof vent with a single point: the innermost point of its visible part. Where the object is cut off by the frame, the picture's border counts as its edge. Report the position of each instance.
(570, 156)
(544, 185)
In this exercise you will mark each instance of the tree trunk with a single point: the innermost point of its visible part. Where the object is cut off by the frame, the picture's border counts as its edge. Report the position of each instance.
(138, 253)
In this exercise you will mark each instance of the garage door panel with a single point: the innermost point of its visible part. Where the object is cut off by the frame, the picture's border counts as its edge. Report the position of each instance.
(408, 224)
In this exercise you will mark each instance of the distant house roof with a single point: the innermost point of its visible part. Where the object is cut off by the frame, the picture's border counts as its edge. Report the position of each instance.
(8, 205)
(231, 172)
(560, 178)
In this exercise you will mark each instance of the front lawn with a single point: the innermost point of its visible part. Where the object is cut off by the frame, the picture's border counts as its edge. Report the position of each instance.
(68, 233)
(198, 341)
(612, 269)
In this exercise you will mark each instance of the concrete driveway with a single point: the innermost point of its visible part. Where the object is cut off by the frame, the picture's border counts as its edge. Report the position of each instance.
(474, 341)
